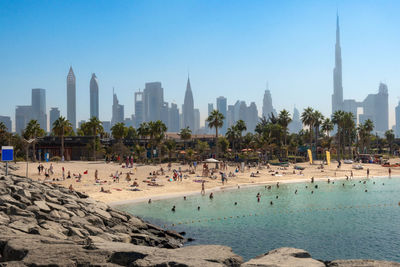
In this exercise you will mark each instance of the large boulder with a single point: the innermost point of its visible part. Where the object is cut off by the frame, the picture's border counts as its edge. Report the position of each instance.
(362, 263)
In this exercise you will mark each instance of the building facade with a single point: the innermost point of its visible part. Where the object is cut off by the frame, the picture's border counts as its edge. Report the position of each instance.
(39, 107)
(267, 108)
(337, 97)
(153, 101)
(23, 114)
(71, 98)
(117, 111)
(6, 120)
(54, 115)
(94, 97)
(188, 108)
(397, 126)
(139, 108)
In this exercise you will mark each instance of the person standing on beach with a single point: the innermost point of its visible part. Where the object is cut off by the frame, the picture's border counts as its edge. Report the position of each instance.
(203, 191)
(368, 173)
(96, 173)
(390, 172)
(63, 173)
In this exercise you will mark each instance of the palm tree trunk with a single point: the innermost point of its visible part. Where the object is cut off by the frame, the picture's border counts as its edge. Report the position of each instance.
(62, 146)
(216, 142)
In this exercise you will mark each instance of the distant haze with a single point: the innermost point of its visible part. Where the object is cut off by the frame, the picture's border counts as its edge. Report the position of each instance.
(230, 48)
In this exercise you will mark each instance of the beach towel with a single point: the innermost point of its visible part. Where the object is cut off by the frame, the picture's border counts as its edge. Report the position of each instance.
(85, 172)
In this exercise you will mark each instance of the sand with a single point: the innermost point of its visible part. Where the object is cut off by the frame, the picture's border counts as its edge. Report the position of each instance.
(120, 192)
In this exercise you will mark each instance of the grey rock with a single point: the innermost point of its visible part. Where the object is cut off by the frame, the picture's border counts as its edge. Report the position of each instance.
(24, 192)
(25, 224)
(42, 205)
(284, 257)
(4, 219)
(362, 263)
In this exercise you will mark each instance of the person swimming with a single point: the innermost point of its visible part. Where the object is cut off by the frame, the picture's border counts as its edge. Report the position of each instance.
(235, 203)
(277, 185)
(312, 192)
(149, 201)
(277, 197)
(295, 191)
(198, 207)
(184, 198)
(258, 198)
(316, 186)
(173, 209)
(329, 181)
(211, 195)
(271, 203)
(312, 179)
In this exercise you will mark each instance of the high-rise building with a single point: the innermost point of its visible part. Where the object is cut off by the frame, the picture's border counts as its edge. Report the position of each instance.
(23, 114)
(6, 120)
(188, 108)
(376, 108)
(54, 115)
(173, 121)
(295, 125)
(153, 101)
(94, 97)
(337, 97)
(71, 98)
(397, 113)
(251, 117)
(39, 107)
(129, 122)
(222, 108)
(117, 111)
(230, 115)
(139, 108)
(209, 110)
(106, 126)
(196, 124)
(164, 116)
(267, 107)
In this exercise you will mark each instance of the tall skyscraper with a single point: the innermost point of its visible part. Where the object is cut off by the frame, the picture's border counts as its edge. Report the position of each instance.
(139, 108)
(222, 108)
(295, 125)
(94, 97)
(173, 125)
(209, 110)
(117, 111)
(251, 117)
(230, 114)
(153, 101)
(337, 97)
(39, 107)
(23, 114)
(54, 115)
(71, 98)
(267, 107)
(188, 108)
(7, 122)
(196, 124)
(397, 113)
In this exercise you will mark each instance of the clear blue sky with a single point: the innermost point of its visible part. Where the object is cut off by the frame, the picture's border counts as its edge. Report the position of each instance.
(231, 48)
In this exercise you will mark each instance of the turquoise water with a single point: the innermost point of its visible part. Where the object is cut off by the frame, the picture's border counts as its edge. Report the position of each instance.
(335, 222)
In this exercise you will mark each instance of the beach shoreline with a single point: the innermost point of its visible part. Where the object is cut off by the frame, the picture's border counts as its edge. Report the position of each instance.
(121, 193)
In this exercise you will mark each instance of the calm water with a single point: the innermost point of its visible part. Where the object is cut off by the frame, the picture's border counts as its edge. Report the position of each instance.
(335, 222)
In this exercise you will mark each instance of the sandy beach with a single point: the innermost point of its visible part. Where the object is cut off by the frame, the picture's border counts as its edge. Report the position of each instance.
(121, 192)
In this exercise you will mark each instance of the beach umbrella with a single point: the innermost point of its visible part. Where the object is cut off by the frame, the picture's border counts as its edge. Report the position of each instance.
(211, 160)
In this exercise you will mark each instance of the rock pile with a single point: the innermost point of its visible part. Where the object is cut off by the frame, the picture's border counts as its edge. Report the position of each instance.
(47, 225)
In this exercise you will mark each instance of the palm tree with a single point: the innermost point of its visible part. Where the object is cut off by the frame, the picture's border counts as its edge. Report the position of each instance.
(157, 131)
(170, 144)
(327, 126)
(62, 126)
(369, 127)
(307, 118)
(185, 135)
(119, 131)
(96, 128)
(240, 127)
(143, 130)
(284, 119)
(317, 119)
(390, 139)
(32, 131)
(338, 119)
(215, 120)
(232, 135)
(348, 130)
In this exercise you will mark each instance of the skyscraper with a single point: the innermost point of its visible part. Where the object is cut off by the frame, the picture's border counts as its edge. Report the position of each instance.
(173, 121)
(39, 107)
(267, 107)
(153, 101)
(295, 125)
(7, 122)
(23, 114)
(54, 115)
(222, 108)
(94, 97)
(196, 123)
(209, 110)
(397, 113)
(117, 111)
(71, 98)
(251, 117)
(139, 108)
(337, 97)
(188, 108)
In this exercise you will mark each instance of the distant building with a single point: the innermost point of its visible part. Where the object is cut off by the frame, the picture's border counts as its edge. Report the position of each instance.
(129, 122)
(267, 107)
(209, 110)
(139, 108)
(188, 108)
(196, 120)
(164, 116)
(6, 120)
(153, 101)
(295, 125)
(222, 108)
(94, 97)
(54, 115)
(23, 114)
(80, 123)
(117, 111)
(71, 98)
(39, 107)
(230, 114)
(106, 126)
(173, 122)
(337, 97)
(397, 113)
(251, 117)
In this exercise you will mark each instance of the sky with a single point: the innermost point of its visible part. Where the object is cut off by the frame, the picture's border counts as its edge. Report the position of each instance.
(229, 48)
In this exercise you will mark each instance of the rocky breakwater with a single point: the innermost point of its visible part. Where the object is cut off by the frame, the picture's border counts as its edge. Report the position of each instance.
(48, 225)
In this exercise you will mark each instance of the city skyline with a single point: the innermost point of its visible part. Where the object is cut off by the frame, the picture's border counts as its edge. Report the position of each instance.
(358, 87)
